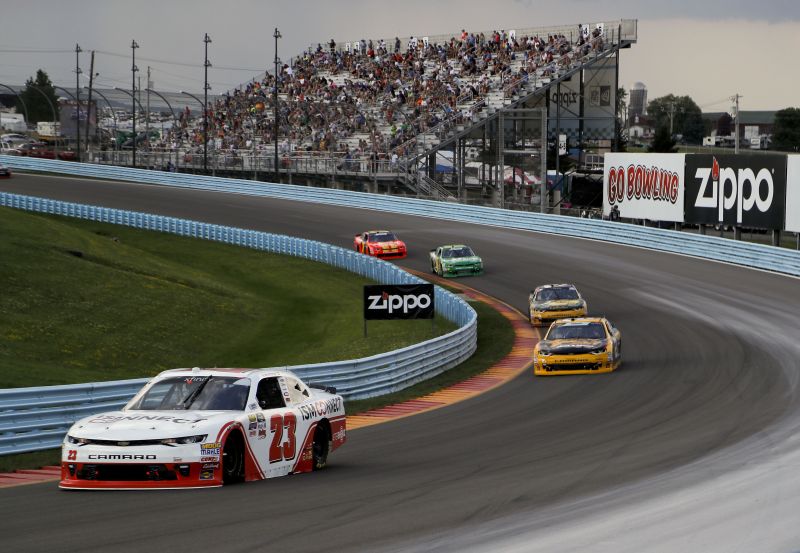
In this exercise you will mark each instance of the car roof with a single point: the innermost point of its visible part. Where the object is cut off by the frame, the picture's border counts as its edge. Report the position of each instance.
(580, 321)
(376, 231)
(242, 372)
(455, 246)
(549, 286)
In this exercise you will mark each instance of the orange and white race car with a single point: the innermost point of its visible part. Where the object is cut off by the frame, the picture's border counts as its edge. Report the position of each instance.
(380, 243)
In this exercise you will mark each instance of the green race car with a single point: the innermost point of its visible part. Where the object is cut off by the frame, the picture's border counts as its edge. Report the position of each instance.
(455, 260)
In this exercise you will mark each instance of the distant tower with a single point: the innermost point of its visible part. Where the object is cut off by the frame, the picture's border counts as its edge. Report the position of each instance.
(638, 101)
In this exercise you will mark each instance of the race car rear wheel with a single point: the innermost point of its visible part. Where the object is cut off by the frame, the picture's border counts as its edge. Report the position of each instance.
(320, 448)
(233, 459)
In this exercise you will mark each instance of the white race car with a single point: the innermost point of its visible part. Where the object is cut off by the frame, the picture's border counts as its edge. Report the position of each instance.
(190, 428)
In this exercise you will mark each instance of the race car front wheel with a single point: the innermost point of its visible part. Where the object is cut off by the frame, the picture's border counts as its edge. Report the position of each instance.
(233, 459)
(320, 448)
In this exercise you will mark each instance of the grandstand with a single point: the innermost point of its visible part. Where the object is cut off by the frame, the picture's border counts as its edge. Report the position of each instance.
(407, 105)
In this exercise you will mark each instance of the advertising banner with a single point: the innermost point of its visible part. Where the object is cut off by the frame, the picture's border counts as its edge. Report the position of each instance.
(644, 186)
(385, 302)
(744, 190)
(793, 194)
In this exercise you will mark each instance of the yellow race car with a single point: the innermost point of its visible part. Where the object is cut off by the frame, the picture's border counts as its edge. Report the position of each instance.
(551, 302)
(586, 345)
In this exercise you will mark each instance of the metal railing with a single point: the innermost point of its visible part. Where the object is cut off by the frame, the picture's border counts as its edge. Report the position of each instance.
(37, 418)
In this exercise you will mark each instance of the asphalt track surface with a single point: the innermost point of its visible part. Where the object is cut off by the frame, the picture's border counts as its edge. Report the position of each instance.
(657, 456)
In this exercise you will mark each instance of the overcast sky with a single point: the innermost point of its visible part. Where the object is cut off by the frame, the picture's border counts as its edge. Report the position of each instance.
(707, 49)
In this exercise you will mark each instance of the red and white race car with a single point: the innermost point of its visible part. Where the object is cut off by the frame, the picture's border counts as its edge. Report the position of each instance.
(380, 243)
(190, 428)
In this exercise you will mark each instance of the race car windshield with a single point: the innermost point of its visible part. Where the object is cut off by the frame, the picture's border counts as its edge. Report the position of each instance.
(550, 294)
(210, 393)
(590, 331)
(382, 237)
(463, 251)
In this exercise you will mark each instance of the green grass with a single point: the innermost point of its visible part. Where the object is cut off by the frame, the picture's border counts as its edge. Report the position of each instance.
(83, 301)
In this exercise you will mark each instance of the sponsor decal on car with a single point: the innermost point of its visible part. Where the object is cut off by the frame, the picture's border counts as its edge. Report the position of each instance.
(211, 448)
(209, 459)
(260, 417)
(210, 466)
(320, 408)
(120, 457)
(339, 435)
(118, 418)
(206, 475)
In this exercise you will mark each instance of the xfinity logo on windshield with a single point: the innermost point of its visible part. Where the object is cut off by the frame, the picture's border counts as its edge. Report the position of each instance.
(744, 190)
(414, 301)
(727, 189)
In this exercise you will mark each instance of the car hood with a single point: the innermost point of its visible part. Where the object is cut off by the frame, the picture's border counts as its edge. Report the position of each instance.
(393, 244)
(555, 304)
(570, 347)
(148, 425)
(462, 260)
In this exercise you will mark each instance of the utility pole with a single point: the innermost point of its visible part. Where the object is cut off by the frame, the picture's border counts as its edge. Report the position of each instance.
(134, 69)
(735, 99)
(206, 88)
(89, 102)
(78, 102)
(277, 35)
(147, 114)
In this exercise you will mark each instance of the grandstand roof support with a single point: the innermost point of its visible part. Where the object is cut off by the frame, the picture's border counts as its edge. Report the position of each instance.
(206, 65)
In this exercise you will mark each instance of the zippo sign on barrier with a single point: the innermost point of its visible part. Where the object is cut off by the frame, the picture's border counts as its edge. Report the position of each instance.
(737, 190)
(793, 193)
(386, 302)
(644, 186)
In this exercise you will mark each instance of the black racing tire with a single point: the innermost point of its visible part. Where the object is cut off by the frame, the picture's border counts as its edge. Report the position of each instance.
(320, 448)
(233, 459)
(433, 267)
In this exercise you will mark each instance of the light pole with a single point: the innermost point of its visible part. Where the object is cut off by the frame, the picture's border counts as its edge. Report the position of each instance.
(134, 101)
(134, 69)
(206, 65)
(78, 102)
(277, 35)
(174, 119)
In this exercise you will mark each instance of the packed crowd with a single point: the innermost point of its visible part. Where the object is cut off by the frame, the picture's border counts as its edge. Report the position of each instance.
(386, 94)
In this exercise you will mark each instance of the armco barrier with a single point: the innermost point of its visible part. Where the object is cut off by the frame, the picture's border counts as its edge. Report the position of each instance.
(708, 247)
(36, 418)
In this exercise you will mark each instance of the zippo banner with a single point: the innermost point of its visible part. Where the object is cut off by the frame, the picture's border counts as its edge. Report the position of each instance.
(644, 186)
(793, 193)
(744, 190)
(386, 301)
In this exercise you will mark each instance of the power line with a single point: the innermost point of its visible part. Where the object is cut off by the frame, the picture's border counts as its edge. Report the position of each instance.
(180, 63)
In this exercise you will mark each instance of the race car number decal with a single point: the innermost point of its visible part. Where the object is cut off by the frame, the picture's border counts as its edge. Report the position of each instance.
(278, 449)
(72, 455)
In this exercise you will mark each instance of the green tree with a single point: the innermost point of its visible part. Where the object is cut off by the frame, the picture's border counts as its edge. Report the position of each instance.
(687, 117)
(786, 135)
(662, 141)
(33, 96)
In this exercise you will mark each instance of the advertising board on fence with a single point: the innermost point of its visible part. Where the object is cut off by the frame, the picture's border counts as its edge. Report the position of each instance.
(385, 301)
(744, 190)
(644, 186)
(793, 194)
